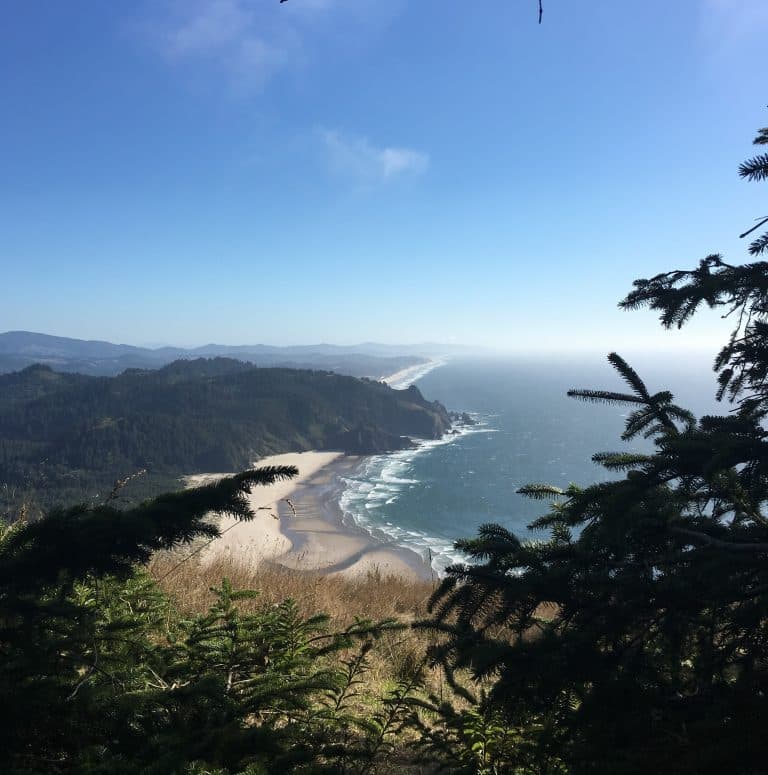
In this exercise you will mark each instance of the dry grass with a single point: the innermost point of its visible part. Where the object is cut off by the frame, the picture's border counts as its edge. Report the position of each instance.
(396, 654)
(374, 596)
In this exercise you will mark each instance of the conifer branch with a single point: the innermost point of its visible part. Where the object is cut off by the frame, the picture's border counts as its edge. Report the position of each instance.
(756, 168)
(605, 397)
(730, 546)
(629, 375)
(540, 491)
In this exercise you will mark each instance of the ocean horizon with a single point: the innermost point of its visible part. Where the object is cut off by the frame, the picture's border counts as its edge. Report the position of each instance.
(526, 429)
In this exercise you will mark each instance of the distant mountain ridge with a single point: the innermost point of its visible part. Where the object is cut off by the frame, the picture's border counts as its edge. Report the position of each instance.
(19, 349)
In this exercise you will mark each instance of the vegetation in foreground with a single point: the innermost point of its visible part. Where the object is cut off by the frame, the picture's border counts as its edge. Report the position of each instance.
(633, 639)
(120, 658)
(656, 659)
(123, 656)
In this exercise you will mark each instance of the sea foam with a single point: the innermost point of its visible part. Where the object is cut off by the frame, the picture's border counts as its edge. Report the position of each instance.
(379, 482)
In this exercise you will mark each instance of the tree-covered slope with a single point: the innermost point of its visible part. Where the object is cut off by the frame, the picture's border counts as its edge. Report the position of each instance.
(72, 435)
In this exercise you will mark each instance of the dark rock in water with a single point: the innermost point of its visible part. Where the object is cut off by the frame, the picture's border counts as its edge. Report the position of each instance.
(367, 440)
(462, 418)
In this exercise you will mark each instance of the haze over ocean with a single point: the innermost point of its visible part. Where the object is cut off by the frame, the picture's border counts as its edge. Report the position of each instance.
(527, 431)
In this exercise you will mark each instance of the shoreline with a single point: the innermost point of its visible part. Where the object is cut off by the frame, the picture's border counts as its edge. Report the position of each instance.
(298, 524)
(260, 538)
(323, 543)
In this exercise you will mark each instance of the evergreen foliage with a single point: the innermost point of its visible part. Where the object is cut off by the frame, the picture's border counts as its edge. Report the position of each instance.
(742, 291)
(100, 673)
(636, 634)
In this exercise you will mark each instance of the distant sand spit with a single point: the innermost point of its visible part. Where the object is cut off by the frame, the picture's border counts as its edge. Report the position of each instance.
(407, 376)
(305, 532)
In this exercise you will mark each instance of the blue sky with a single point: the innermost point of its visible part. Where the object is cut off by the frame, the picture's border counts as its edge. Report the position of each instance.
(245, 171)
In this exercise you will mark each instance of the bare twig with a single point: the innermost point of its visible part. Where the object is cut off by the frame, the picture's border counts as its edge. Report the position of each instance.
(221, 533)
(88, 673)
(197, 551)
(120, 483)
(757, 226)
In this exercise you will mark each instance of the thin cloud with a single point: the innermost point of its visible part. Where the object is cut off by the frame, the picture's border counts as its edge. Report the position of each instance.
(246, 42)
(209, 28)
(358, 158)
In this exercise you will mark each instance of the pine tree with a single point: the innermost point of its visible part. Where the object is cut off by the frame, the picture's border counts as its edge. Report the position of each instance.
(638, 631)
(100, 673)
(77, 620)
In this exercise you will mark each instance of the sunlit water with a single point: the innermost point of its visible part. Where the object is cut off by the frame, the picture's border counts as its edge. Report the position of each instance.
(527, 430)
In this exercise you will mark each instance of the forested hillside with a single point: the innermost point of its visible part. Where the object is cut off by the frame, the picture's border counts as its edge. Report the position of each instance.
(71, 436)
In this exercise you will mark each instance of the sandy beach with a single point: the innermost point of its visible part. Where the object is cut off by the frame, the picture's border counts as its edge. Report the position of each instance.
(305, 532)
(403, 378)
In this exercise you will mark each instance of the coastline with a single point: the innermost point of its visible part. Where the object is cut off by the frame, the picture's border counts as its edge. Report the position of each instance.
(299, 523)
(312, 538)
(323, 543)
(260, 538)
(407, 376)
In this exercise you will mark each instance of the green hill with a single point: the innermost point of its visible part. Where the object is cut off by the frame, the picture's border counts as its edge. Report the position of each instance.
(70, 436)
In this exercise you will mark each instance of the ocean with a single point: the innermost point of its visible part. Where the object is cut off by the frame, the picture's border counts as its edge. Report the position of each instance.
(527, 430)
